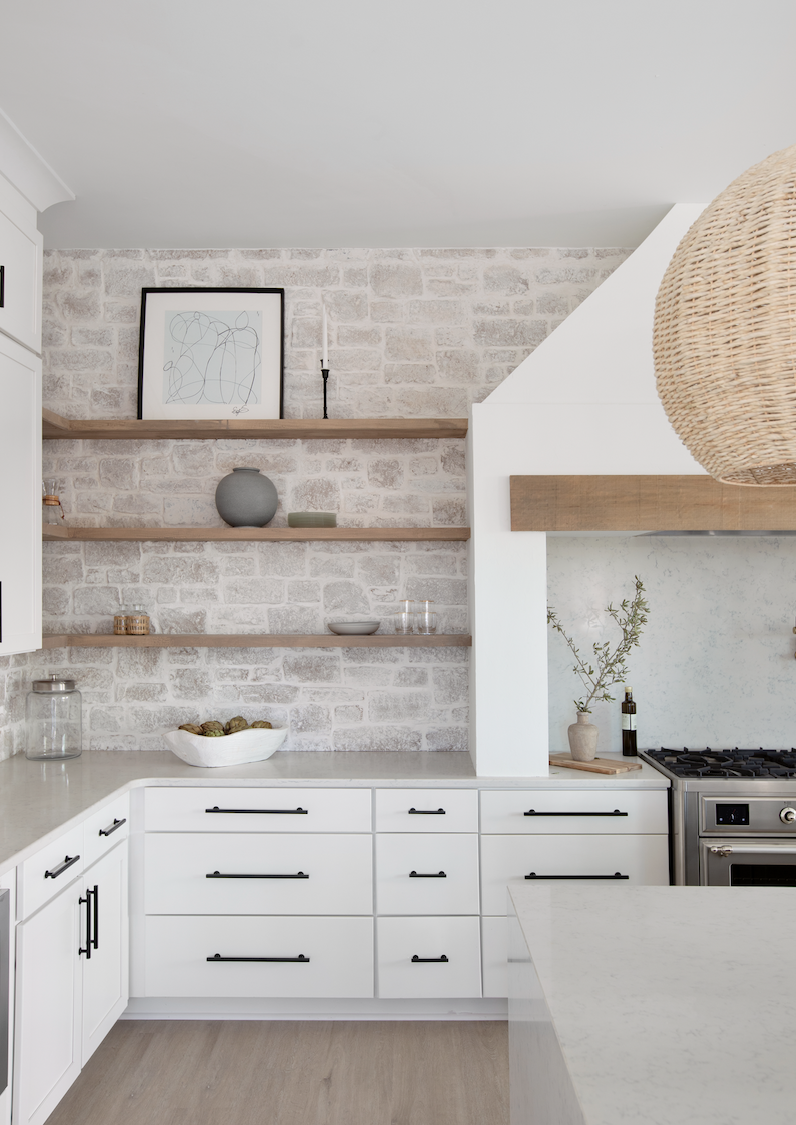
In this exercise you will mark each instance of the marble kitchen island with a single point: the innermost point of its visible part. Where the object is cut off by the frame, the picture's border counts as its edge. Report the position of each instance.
(653, 1005)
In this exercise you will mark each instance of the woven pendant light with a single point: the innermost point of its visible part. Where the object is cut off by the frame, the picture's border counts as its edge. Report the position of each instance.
(725, 330)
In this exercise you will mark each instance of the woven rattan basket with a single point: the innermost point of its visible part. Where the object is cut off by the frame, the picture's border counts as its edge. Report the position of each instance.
(725, 330)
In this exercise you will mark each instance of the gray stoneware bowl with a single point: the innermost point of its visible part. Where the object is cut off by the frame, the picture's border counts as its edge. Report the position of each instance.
(353, 628)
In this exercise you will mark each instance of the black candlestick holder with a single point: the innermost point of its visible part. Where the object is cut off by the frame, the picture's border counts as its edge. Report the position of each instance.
(325, 374)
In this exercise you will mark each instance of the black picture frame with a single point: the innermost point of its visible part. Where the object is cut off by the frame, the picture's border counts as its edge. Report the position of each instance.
(211, 353)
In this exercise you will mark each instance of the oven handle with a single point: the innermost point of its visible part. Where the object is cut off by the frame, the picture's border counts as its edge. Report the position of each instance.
(752, 849)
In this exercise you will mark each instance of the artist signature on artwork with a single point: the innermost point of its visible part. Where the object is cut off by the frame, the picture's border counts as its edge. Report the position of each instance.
(240, 410)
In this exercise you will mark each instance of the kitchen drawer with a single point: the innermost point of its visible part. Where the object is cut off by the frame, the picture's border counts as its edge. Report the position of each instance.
(568, 812)
(104, 829)
(257, 810)
(494, 956)
(339, 952)
(426, 810)
(338, 874)
(506, 860)
(47, 872)
(398, 940)
(398, 891)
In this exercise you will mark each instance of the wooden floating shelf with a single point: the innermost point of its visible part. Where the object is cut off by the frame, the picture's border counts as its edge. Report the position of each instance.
(254, 640)
(54, 533)
(648, 503)
(54, 426)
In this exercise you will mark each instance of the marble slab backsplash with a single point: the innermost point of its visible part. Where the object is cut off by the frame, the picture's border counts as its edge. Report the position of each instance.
(715, 666)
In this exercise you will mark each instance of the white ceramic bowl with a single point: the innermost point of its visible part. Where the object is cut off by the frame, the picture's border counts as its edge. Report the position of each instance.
(231, 750)
(353, 628)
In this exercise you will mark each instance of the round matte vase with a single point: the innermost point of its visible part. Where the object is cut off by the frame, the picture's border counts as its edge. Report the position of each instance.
(583, 737)
(246, 498)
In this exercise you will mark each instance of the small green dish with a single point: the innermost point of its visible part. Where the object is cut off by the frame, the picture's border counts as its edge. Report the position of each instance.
(311, 519)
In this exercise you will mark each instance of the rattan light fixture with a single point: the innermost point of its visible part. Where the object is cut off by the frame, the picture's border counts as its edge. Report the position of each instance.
(725, 330)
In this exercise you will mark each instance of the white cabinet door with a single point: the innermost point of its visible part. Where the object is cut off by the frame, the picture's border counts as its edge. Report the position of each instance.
(105, 971)
(7, 884)
(20, 270)
(48, 1007)
(434, 873)
(20, 499)
(428, 957)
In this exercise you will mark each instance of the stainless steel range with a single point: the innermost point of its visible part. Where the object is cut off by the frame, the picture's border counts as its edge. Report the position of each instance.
(732, 815)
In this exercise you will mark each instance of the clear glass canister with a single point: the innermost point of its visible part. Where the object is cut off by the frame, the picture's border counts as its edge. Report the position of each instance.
(53, 719)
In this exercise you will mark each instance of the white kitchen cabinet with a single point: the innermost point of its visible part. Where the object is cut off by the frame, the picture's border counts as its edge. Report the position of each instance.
(21, 505)
(7, 884)
(257, 810)
(428, 957)
(20, 269)
(262, 873)
(427, 873)
(71, 983)
(259, 956)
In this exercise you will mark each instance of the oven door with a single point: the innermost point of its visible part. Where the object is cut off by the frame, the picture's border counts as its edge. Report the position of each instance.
(747, 863)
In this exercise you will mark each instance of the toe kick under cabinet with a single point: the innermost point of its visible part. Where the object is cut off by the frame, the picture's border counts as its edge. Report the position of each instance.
(353, 892)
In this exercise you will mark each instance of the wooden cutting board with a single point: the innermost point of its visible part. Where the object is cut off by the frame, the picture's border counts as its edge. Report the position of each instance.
(596, 765)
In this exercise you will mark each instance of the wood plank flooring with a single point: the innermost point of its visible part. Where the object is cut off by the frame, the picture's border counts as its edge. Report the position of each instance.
(242, 1072)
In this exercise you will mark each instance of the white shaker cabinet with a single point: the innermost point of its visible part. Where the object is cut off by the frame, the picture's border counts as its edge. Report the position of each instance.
(71, 983)
(20, 269)
(20, 423)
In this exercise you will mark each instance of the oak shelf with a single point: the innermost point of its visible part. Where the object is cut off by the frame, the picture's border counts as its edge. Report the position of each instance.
(53, 533)
(254, 640)
(54, 426)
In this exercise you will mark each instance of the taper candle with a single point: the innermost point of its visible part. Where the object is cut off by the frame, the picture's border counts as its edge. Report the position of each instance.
(324, 337)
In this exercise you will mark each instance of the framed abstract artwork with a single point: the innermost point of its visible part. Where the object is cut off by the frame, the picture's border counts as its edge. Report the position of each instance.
(211, 354)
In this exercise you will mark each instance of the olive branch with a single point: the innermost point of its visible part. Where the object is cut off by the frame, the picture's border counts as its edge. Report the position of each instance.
(631, 616)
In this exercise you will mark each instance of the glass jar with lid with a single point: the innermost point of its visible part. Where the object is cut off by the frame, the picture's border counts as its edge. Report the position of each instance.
(53, 720)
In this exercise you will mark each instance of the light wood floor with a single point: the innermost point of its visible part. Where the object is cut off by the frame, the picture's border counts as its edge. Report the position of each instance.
(159, 1072)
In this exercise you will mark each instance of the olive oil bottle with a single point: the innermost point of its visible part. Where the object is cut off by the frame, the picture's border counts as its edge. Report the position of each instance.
(629, 747)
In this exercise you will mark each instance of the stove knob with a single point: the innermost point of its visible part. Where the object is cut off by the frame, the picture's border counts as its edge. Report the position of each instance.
(787, 816)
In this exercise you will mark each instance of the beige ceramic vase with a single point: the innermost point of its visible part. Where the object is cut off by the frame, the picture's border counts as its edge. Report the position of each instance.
(583, 737)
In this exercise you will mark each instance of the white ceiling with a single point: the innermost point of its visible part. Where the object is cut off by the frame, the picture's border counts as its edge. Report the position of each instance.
(183, 123)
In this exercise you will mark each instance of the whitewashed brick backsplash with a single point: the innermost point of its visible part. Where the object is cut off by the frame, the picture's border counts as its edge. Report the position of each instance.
(413, 333)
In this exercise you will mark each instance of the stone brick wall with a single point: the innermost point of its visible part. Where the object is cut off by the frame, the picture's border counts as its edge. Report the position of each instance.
(420, 333)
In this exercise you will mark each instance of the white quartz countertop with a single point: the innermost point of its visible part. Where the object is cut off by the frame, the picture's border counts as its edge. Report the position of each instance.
(672, 1005)
(38, 799)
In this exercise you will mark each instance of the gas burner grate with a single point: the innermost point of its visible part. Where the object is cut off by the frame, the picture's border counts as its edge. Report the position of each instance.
(729, 763)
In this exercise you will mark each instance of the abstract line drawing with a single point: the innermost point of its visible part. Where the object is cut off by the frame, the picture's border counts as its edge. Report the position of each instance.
(213, 358)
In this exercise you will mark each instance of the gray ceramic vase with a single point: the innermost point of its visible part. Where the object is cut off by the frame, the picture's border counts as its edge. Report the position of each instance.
(582, 738)
(246, 498)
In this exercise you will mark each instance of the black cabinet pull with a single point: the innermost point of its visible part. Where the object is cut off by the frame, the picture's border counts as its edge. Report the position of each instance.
(304, 960)
(427, 960)
(422, 875)
(112, 827)
(56, 871)
(2, 287)
(92, 940)
(220, 875)
(95, 935)
(294, 812)
(618, 875)
(428, 812)
(533, 812)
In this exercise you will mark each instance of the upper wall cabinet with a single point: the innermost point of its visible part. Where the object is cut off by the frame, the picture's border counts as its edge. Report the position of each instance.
(20, 269)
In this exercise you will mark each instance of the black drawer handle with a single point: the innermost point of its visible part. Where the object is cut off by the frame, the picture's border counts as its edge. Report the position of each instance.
(56, 871)
(533, 812)
(427, 960)
(299, 811)
(2, 287)
(422, 875)
(219, 875)
(112, 827)
(428, 812)
(618, 875)
(304, 960)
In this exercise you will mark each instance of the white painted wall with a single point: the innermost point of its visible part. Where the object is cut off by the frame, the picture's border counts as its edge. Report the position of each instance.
(583, 402)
